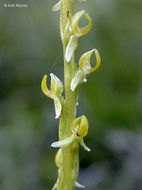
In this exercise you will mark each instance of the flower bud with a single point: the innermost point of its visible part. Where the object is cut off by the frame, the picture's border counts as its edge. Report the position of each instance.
(83, 127)
(80, 126)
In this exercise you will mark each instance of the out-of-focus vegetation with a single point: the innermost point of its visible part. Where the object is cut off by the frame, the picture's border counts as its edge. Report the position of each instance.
(30, 46)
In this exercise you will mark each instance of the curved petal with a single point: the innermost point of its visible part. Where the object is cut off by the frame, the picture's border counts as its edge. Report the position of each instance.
(44, 88)
(57, 6)
(75, 27)
(84, 61)
(71, 47)
(77, 79)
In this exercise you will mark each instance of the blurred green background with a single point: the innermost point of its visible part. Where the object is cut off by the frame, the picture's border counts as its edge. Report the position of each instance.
(30, 47)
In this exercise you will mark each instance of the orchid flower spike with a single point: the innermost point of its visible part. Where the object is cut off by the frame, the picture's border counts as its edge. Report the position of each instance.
(85, 68)
(56, 88)
(79, 128)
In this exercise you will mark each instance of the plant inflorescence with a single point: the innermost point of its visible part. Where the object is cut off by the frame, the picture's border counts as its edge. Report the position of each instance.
(72, 130)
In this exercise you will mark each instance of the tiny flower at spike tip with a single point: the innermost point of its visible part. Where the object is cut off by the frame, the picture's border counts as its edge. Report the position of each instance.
(72, 129)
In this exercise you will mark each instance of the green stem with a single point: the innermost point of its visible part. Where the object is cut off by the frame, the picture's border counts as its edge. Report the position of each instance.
(69, 108)
(67, 8)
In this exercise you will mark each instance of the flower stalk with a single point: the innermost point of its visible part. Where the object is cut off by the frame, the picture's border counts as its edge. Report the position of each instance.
(72, 130)
(67, 7)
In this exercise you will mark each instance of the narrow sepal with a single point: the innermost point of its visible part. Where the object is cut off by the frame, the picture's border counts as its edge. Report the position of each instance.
(58, 107)
(57, 6)
(84, 145)
(71, 47)
(75, 27)
(84, 61)
(63, 143)
(54, 187)
(77, 79)
(79, 185)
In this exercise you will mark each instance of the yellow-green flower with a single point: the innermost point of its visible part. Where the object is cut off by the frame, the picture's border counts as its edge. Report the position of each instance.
(79, 129)
(56, 89)
(85, 68)
(75, 32)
